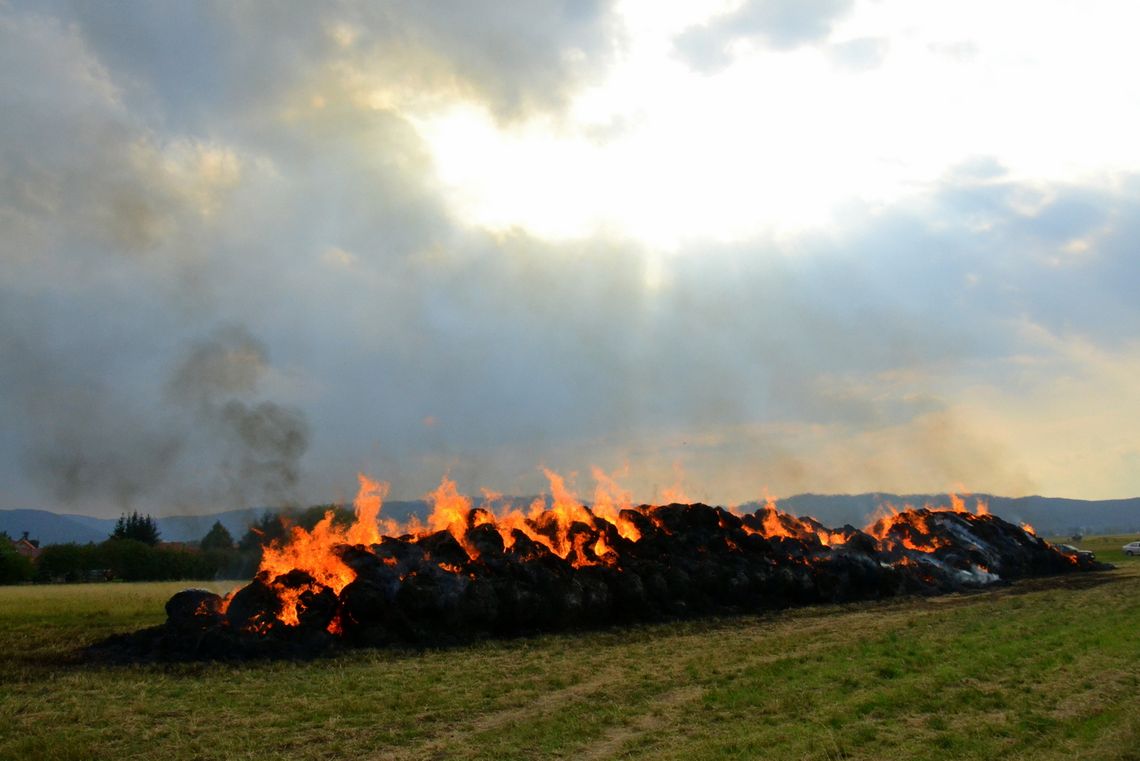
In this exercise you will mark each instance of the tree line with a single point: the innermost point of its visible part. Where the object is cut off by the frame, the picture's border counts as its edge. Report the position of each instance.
(134, 551)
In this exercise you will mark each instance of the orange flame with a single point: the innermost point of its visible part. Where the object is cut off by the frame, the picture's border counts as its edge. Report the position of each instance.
(567, 528)
(676, 492)
(311, 551)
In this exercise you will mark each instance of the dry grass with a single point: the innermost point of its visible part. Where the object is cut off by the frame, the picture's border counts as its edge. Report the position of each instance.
(1045, 669)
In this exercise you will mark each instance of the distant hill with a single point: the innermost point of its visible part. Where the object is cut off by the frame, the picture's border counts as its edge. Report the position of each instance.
(1048, 515)
(59, 528)
(50, 528)
(56, 528)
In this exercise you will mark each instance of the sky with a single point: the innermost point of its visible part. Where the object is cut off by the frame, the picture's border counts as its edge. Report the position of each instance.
(736, 249)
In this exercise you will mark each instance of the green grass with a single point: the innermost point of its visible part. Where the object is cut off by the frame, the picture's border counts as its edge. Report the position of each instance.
(1043, 669)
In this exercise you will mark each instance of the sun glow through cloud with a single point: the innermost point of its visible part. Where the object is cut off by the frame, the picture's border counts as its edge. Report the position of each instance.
(779, 140)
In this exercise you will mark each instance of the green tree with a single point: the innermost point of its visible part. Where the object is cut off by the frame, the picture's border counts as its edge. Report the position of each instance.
(68, 562)
(141, 528)
(264, 530)
(14, 567)
(343, 517)
(217, 538)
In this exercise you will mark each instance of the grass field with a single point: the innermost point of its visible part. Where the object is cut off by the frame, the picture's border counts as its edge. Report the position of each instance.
(1046, 669)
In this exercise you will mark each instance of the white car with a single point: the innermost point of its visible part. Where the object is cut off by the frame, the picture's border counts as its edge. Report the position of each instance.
(1132, 548)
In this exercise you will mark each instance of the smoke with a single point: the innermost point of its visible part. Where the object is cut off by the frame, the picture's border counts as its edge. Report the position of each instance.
(79, 435)
(260, 443)
(231, 361)
(85, 440)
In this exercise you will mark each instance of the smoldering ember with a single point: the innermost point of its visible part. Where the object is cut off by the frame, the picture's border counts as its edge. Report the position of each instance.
(468, 572)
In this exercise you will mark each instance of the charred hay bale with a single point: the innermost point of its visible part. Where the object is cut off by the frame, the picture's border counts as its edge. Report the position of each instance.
(597, 597)
(760, 586)
(755, 545)
(859, 542)
(316, 609)
(722, 582)
(369, 615)
(364, 602)
(737, 590)
(361, 559)
(865, 578)
(710, 575)
(441, 548)
(567, 603)
(518, 603)
(844, 576)
(886, 581)
(524, 549)
(402, 551)
(487, 541)
(430, 599)
(479, 606)
(684, 597)
(657, 593)
(371, 568)
(640, 521)
(702, 518)
(729, 521)
(631, 601)
(316, 603)
(754, 522)
(792, 585)
(787, 547)
(194, 609)
(924, 574)
(559, 593)
(670, 518)
(253, 607)
(991, 529)
(693, 526)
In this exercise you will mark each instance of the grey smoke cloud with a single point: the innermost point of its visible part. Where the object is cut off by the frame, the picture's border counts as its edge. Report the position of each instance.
(79, 438)
(259, 443)
(230, 362)
(89, 437)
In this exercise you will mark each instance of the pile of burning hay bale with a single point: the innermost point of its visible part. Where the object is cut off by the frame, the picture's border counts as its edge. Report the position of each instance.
(446, 587)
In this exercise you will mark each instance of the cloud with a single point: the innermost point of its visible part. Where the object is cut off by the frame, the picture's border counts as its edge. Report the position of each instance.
(860, 54)
(85, 179)
(204, 58)
(232, 277)
(778, 24)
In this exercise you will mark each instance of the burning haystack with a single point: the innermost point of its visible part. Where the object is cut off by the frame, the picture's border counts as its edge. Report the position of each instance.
(470, 573)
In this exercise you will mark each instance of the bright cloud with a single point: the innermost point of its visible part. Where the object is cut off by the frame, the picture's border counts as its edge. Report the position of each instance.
(781, 137)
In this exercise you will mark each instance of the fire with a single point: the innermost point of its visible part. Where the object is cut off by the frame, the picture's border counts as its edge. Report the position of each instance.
(910, 529)
(609, 500)
(958, 505)
(311, 551)
(676, 492)
(308, 563)
(451, 512)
